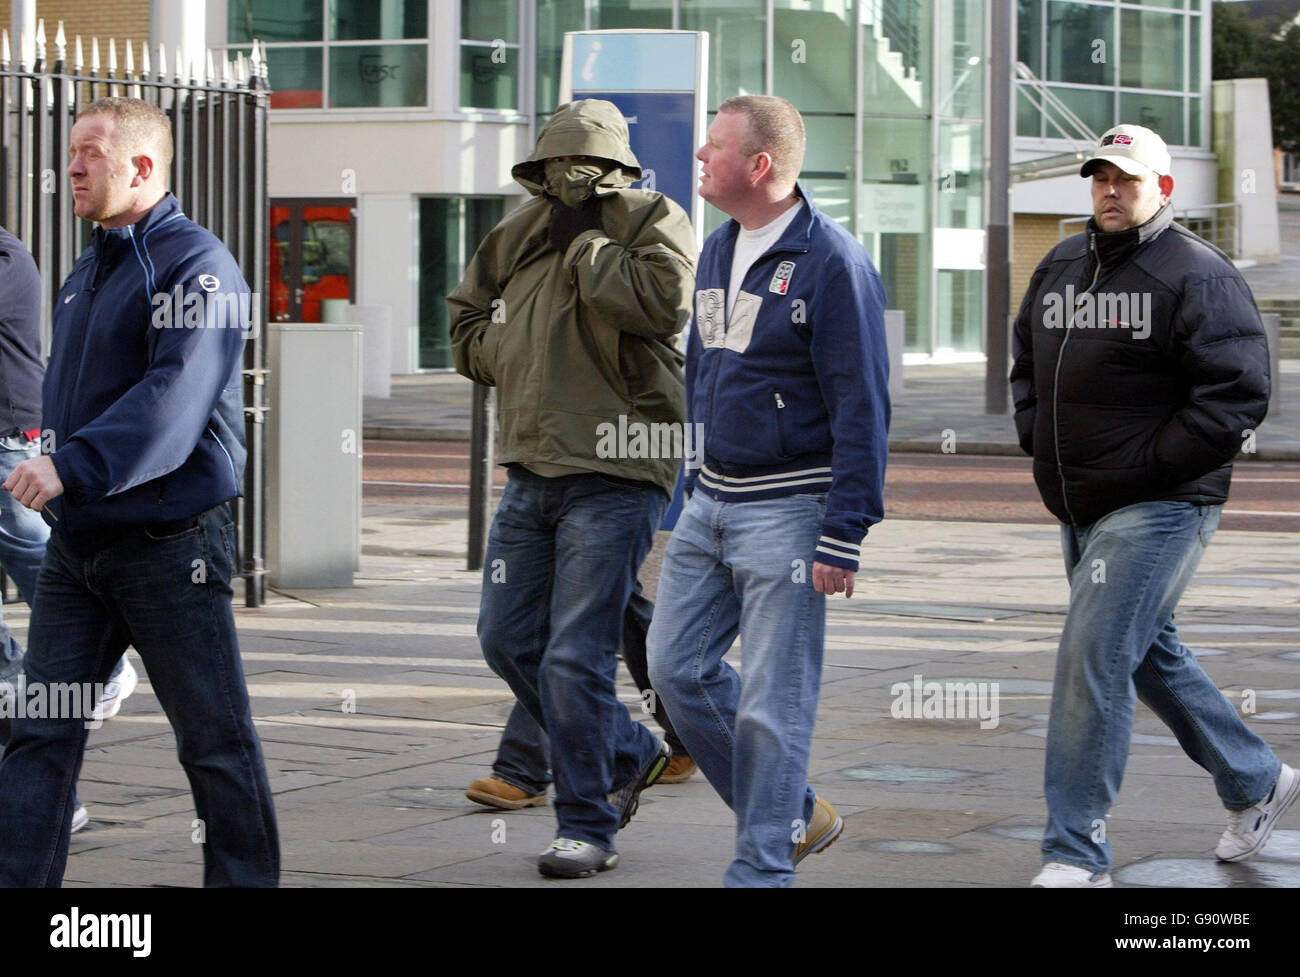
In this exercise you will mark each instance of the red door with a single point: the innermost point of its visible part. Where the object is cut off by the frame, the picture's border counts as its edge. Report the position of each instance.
(312, 255)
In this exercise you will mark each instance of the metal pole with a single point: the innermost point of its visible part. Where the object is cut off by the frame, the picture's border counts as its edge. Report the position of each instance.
(482, 452)
(997, 243)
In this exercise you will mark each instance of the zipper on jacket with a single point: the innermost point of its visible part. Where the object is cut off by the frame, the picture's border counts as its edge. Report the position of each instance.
(70, 393)
(780, 433)
(1056, 377)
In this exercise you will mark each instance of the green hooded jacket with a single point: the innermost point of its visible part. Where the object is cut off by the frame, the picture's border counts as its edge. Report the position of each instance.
(573, 340)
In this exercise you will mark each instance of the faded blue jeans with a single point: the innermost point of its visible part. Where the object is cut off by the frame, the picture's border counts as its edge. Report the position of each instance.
(22, 546)
(561, 564)
(1127, 572)
(747, 568)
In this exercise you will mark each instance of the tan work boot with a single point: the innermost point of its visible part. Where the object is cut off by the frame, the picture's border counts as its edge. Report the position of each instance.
(821, 833)
(679, 770)
(493, 792)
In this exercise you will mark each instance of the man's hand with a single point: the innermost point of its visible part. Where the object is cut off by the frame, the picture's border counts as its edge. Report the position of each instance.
(34, 482)
(832, 580)
(568, 222)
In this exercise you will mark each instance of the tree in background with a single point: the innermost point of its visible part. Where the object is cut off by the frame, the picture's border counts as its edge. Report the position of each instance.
(1260, 40)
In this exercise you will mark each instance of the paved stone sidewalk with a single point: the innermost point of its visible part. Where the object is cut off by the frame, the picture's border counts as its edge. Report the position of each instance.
(374, 797)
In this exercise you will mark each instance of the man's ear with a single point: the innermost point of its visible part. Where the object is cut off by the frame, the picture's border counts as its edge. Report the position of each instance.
(1166, 188)
(762, 167)
(143, 168)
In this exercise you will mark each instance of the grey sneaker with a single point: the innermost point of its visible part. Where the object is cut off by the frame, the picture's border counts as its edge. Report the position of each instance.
(1248, 830)
(568, 859)
(80, 818)
(628, 797)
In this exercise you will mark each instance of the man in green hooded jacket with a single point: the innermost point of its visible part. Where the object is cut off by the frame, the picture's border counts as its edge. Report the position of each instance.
(570, 308)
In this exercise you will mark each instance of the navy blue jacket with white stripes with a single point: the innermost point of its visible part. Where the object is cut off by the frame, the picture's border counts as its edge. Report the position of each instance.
(792, 389)
(143, 391)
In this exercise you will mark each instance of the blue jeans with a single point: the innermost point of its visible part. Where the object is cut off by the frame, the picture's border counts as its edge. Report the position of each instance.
(746, 567)
(1127, 572)
(22, 544)
(560, 567)
(523, 758)
(170, 597)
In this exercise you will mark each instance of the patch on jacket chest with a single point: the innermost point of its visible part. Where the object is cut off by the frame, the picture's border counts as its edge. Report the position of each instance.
(740, 329)
(781, 280)
(710, 317)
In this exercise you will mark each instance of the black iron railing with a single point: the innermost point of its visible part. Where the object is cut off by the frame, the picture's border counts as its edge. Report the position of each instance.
(218, 112)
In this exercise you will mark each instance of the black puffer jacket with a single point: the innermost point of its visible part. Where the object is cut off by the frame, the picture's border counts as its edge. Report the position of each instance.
(1151, 392)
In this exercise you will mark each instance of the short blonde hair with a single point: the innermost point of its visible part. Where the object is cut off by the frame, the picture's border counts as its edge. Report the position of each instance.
(141, 128)
(775, 128)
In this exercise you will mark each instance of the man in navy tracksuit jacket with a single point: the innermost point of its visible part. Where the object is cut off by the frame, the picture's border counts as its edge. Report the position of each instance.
(143, 412)
(787, 374)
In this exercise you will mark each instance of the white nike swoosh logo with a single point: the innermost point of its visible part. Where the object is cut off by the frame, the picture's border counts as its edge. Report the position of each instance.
(69, 298)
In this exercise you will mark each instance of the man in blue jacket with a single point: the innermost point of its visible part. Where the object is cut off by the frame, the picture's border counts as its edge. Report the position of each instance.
(788, 372)
(142, 405)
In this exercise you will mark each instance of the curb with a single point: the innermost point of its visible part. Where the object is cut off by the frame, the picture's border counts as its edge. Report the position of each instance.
(902, 446)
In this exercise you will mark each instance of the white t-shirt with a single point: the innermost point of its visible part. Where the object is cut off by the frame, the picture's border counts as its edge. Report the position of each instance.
(751, 245)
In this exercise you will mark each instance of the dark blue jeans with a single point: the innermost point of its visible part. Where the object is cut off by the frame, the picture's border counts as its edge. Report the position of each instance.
(170, 597)
(561, 565)
(524, 757)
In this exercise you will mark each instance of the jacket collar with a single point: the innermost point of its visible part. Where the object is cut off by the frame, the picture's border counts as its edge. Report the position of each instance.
(1112, 247)
(163, 211)
(796, 237)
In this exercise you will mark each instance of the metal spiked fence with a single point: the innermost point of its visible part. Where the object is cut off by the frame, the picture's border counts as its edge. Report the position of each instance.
(218, 112)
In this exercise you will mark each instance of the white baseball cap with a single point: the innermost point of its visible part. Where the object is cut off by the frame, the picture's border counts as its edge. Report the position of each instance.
(1134, 149)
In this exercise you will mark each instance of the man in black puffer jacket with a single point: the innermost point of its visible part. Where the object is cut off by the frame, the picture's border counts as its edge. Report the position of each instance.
(1140, 369)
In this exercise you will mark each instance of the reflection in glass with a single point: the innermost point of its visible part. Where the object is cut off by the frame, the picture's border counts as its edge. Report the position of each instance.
(378, 74)
(896, 57)
(737, 42)
(273, 20)
(295, 77)
(489, 77)
(813, 55)
(554, 18)
(1080, 43)
(1152, 55)
(388, 20)
(633, 15)
(490, 20)
(1162, 113)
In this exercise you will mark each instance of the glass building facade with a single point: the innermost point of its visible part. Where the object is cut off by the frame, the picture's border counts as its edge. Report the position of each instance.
(1142, 61)
(892, 92)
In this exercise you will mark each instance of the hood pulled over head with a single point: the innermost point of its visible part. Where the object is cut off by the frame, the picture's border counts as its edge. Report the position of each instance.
(589, 127)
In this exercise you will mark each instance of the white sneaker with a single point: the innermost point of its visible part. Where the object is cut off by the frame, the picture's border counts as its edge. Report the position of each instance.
(80, 818)
(1057, 875)
(115, 692)
(1248, 830)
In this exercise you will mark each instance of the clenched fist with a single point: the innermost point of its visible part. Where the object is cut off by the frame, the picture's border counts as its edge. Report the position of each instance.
(34, 482)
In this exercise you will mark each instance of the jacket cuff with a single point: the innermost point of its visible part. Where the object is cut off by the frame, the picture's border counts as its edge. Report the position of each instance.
(837, 552)
(65, 465)
(578, 243)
